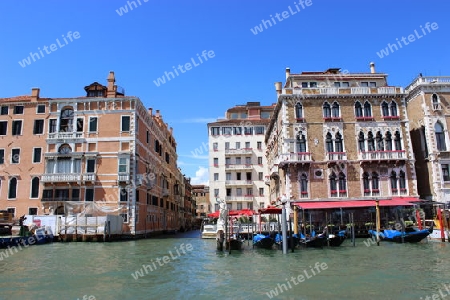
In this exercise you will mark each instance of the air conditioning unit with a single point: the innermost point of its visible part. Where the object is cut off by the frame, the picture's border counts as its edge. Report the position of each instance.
(318, 174)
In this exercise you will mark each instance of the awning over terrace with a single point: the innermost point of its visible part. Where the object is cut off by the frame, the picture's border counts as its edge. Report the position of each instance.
(355, 203)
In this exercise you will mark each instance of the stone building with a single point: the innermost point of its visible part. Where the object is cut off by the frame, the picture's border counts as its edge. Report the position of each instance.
(339, 136)
(201, 194)
(428, 106)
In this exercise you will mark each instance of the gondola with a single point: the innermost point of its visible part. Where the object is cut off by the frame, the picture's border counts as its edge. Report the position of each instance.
(263, 241)
(410, 235)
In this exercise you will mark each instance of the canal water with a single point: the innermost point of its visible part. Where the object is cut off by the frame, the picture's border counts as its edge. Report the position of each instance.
(188, 267)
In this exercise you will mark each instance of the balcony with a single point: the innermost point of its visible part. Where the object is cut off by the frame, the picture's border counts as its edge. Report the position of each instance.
(299, 157)
(123, 177)
(65, 135)
(238, 167)
(240, 198)
(390, 90)
(337, 156)
(238, 182)
(444, 154)
(338, 193)
(165, 192)
(391, 118)
(428, 80)
(59, 199)
(371, 192)
(332, 119)
(238, 151)
(382, 155)
(364, 119)
(89, 177)
(61, 178)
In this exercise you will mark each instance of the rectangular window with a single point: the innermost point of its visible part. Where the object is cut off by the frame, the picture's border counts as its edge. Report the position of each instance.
(259, 145)
(4, 110)
(237, 130)
(215, 130)
(148, 137)
(38, 127)
(90, 166)
(261, 192)
(32, 211)
(250, 205)
(75, 194)
(18, 110)
(228, 192)
(345, 84)
(40, 109)
(227, 176)
(216, 192)
(248, 130)
(51, 125)
(372, 84)
(238, 192)
(89, 195)
(304, 84)
(260, 176)
(260, 160)
(364, 84)
(80, 124)
(216, 162)
(15, 156)
(37, 152)
(445, 173)
(125, 123)
(3, 127)
(12, 211)
(216, 176)
(259, 130)
(226, 130)
(215, 146)
(227, 145)
(93, 124)
(2, 156)
(123, 165)
(337, 84)
(249, 192)
(238, 145)
(47, 195)
(167, 158)
(17, 127)
(239, 206)
(313, 84)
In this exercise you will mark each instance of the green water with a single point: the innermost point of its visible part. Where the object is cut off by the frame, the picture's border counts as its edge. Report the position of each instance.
(104, 271)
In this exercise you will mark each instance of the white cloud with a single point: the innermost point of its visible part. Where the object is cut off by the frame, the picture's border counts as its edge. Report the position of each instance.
(201, 176)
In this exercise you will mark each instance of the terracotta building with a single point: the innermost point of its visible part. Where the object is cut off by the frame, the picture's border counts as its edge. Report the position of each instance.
(339, 136)
(428, 108)
(201, 194)
(60, 153)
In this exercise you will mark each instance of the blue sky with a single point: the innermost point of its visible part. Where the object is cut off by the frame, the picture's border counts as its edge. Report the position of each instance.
(145, 42)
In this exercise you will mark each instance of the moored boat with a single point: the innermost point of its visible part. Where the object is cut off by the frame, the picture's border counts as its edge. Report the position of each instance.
(410, 235)
(263, 241)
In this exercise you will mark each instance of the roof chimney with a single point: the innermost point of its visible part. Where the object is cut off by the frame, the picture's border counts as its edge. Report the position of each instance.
(150, 111)
(278, 87)
(157, 113)
(111, 91)
(288, 72)
(34, 94)
(372, 67)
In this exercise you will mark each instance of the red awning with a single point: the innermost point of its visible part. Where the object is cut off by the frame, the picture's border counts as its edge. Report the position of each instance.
(352, 204)
(241, 212)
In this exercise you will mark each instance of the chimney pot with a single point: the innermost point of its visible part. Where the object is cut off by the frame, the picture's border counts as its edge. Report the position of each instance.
(278, 87)
(34, 94)
(288, 72)
(150, 111)
(372, 67)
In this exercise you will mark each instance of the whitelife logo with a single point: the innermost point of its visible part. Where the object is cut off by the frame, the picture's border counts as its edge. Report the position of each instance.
(411, 38)
(284, 15)
(124, 9)
(187, 66)
(53, 47)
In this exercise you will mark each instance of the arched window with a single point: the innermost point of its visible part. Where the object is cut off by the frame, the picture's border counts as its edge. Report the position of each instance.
(326, 110)
(393, 178)
(367, 109)
(66, 120)
(375, 181)
(333, 183)
(12, 189)
(440, 138)
(301, 142)
(298, 111)
(342, 182)
(338, 143)
(393, 109)
(397, 141)
(388, 141)
(435, 99)
(329, 142)
(358, 109)
(304, 184)
(335, 110)
(366, 183)
(361, 144)
(402, 180)
(370, 142)
(385, 109)
(380, 142)
(34, 188)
